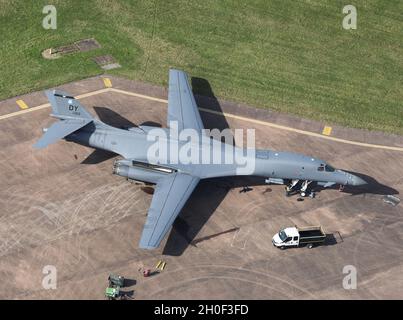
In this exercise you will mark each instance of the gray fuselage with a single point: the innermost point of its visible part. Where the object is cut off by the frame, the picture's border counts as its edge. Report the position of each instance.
(210, 158)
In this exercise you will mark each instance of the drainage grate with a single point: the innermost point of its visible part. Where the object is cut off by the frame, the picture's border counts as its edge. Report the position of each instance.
(87, 45)
(65, 49)
(103, 60)
(81, 45)
(107, 62)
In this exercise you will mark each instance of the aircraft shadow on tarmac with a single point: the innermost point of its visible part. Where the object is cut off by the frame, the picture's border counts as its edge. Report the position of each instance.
(372, 187)
(113, 118)
(98, 156)
(206, 99)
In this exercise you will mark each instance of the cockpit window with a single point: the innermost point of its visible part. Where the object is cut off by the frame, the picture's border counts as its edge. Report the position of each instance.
(329, 168)
(326, 168)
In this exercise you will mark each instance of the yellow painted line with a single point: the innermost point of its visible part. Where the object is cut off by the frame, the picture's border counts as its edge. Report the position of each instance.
(22, 104)
(327, 131)
(107, 82)
(269, 124)
(142, 96)
(92, 93)
(308, 133)
(17, 113)
(228, 115)
(46, 105)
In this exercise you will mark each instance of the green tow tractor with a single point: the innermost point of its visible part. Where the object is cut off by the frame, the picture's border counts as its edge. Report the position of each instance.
(112, 292)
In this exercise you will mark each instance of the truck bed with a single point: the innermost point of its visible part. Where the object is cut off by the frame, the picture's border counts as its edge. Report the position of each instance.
(311, 233)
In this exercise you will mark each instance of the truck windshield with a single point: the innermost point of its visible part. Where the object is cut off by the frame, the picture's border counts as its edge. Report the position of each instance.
(282, 235)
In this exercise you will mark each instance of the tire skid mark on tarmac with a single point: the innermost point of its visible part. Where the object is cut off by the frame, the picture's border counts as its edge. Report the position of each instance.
(69, 217)
(245, 272)
(361, 237)
(189, 281)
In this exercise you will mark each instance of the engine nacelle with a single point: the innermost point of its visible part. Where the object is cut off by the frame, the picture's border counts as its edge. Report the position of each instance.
(121, 168)
(275, 181)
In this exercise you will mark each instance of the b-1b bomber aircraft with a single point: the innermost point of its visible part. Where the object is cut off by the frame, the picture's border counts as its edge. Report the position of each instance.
(175, 180)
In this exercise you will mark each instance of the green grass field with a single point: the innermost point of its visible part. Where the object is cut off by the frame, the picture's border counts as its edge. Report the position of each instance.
(287, 55)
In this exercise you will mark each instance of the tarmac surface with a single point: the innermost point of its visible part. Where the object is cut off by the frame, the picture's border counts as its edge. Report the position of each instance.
(85, 221)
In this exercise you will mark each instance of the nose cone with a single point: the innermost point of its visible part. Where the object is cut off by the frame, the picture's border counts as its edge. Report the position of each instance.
(357, 181)
(351, 180)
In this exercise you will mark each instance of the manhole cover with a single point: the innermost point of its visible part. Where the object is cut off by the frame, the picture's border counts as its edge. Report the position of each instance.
(103, 60)
(107, 62)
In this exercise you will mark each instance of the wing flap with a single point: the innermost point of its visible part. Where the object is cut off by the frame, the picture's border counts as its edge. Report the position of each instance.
(171, 194)
(182, 106)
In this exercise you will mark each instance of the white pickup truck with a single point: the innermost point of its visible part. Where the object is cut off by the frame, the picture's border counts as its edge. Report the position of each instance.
(297, 237)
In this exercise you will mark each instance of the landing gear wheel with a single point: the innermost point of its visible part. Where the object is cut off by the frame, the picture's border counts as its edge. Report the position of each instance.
(310, 246)
(282, 248)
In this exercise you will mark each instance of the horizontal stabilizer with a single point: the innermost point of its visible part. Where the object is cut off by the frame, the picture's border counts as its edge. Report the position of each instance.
(59, 130)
